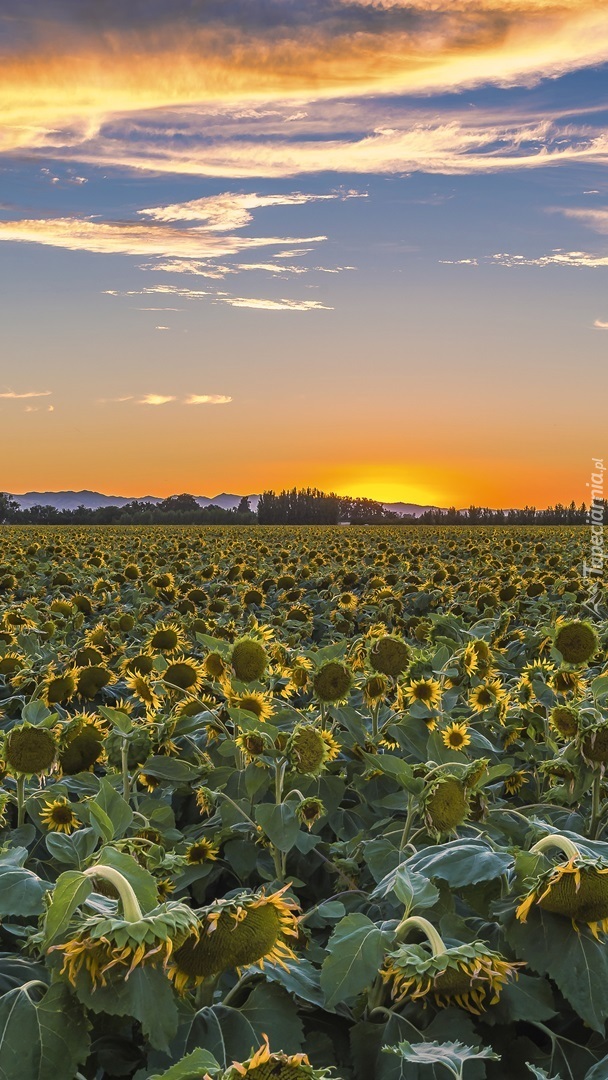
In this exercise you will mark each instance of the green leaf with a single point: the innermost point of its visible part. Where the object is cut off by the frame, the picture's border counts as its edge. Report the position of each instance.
(279, 823)
(117, 809)
(272, 1011)
(576, 962)
(414, 890)
(146, 995)
(165, 768)
(190, 1067)
(451, 1054)
(43, 1041)
(71, 890)
(21, 891)
(397, 769)
(461, 862)
(299, 977)
(36, 712)
(100, 821)
(599, 1071)
(540, 1074)
(529, 998)
(355, 949)
(120, 720)
(599, 687)
(224, 1032)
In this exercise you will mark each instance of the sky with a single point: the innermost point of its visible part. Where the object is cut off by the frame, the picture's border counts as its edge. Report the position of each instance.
(357, 244)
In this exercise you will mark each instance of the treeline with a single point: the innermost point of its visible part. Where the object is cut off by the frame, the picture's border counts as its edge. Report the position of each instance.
(176, 510)
(309, 506)
(483, 515)
(304, 506)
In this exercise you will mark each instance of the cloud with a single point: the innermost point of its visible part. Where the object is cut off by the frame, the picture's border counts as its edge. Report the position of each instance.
(208, 399)
(156, 399)
(231, 210)
(276, 305)
(570, 259)
(159, 328)
(599, 325)
(65, 73)
(12, 395)
(129, 238)
(596, 219)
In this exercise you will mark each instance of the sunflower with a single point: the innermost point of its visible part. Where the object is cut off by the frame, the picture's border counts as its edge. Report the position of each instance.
(427, 691)
(250, 928)
(445, 804)
(143, 690)
(214, 666)
(166, 638)
(564, 721)
(108, 948)
(347, 602)
(576, 889)
(332, 744)
(29, 750)
(470, 660)
(307, 750)
(375, 689)
(485, 696)
(389, 656)
(256, 702)
(59, 688)
(58, 816)
(456, 736)
(249, 659)
(253, 744)
(309, 811)
(184, 673)
(515, 781)
(332, 682)
(471, 976)
(577, 642)
(142, 664)
(262, 1065)
(202, 851)
(568, 682)
(593, 743)
(92, 679)
(205, 801)
(298, 674)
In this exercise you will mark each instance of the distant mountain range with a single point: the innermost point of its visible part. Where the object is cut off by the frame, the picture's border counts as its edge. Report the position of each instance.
(93, 500)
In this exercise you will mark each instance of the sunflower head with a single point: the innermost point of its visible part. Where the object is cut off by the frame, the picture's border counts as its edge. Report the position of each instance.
(425, 691)
(255, 702)
(456, 736)
(307, 750)
(389, 655)
(92, 679)
(29, 750)
(471, 976)
(576, 889)
(262, 1065)
(309, 811)
(249, 659)
(247, 929)
(577, 642)
(375, 689)
(205, 801)
(593, 742)
(166, 638)
(214, 665)
(445, 804)
(58, 689)
(58, 816)
(201, 851)
(332, 682)
(183, 673)
(564, 721)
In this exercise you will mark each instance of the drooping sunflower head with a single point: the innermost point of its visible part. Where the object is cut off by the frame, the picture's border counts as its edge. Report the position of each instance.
(577, 642)
(564, 721)
(593, 742)
(214, 665)
(262, 1065)
(59, 688)
(184, 673)
(375, 689)
(92, 679)
(249, 659)
(306, 750)
(202, 851)
(59, 816)
(143, 689)
(332, 682)
(248, 929)
(515, 781)
(445, 804)
(484, 655)
(568, 682)
(471, 976)
(576, 889)
(389, 655)
(29, 750)
(309, 811)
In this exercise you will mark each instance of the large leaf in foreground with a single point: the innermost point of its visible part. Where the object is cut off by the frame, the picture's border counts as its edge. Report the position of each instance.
(45, 1040)
(355, 948)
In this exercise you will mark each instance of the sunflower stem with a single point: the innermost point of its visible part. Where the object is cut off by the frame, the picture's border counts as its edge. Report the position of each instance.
(20, 801)
(375, 715)
(431, 934)
(569, 849)
(124, 757)
(407, 828)
(596, 812)
(130, 905)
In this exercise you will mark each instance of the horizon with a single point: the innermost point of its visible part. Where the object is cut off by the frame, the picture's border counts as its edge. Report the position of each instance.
(373, 261)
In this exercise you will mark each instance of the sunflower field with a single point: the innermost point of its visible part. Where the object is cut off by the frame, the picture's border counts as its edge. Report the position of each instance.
(302, 802)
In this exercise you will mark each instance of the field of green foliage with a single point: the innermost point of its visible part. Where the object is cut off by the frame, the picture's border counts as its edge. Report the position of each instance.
(302, 802)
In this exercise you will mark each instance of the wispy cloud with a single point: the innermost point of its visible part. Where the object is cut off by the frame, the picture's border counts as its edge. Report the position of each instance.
(574, 259)
(155, 399)
(231, 210)
(276, 305)
(599, 325)
(208, 399)
(14, 396)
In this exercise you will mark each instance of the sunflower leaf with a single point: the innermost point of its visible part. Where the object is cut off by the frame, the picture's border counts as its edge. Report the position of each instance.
(71, 890)
(47, 1040)
(355, 950)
